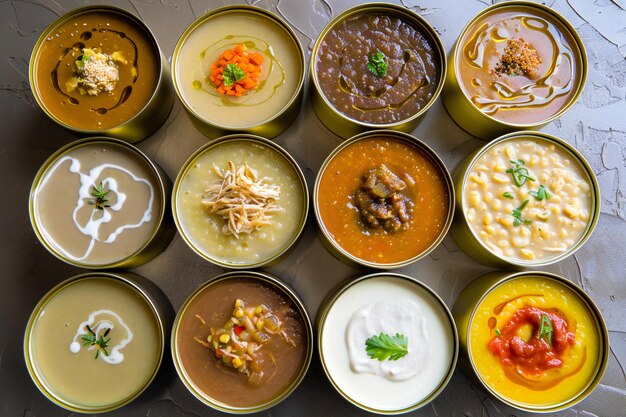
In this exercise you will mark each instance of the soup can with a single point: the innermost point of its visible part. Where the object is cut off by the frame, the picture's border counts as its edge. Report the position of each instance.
(144, 122)
(274, 124)
(330, 320)
(469, 240)
(465, 112)
(345, 126)
(326, 236)
(467, 307)
(229, 277)
(257, 142)
(162, 232)
(142, 288)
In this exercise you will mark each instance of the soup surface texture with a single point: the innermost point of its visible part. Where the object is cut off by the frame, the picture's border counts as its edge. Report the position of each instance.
(528, 199)
(424, 191)
(81, 373)
(280, 359)
(560, 365)
(352, 77)
(130, 70)
(82, 226)
(519, 65)
(281, 69)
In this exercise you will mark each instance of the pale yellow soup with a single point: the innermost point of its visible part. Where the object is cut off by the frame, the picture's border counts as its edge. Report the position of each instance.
(281, 73)
(80, 378)
(551, 226)
(205, 229)
(554, 386)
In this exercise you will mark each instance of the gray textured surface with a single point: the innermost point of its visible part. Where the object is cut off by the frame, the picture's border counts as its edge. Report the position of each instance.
(596, 126)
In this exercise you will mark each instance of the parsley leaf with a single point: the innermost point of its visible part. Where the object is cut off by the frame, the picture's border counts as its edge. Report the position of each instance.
(385, 347)
(376, 64)
(232, 73)
(541, 193)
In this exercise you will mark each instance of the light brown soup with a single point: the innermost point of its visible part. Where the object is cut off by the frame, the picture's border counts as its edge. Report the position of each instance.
(223, 384)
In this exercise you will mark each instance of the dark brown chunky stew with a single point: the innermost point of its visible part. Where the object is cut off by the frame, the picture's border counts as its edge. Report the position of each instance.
(377, 67)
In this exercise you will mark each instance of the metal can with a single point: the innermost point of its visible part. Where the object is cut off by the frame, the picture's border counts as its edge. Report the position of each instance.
(140, 124)
(299, 214)
(345, 126)
(469, 240)
(154, 243)
(225, 279)
(330, 324)
(466, 113)
(140, 289)
(326, 236)
(468, 306)
(274, 123)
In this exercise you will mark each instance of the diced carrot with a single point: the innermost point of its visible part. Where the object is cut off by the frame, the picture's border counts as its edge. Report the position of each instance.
(248, 62)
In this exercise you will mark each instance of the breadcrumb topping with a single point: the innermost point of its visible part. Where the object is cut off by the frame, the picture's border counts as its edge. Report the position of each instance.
(96, 71)
(519, 58)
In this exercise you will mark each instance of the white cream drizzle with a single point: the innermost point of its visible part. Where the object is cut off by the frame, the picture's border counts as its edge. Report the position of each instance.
(99, 327)
(92, 228)
(402, 316)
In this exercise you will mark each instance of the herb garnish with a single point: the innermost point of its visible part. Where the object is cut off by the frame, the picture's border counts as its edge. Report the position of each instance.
(99, 342)
(376, 64)
(385, 347)
(517, 214)
(80, 63)
(232, 73)
(507, 195)
(545, 329)
(100, 197)
(498, 332)
(541, 193)
(519, 173)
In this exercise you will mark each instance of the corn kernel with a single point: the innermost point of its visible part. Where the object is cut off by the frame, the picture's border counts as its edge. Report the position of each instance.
(224, 338)
(239, 313)
(236, 363)
(259, 324)
(527, 253)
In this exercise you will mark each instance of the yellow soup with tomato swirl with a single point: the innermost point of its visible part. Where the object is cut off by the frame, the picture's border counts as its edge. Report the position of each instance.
(535, 342)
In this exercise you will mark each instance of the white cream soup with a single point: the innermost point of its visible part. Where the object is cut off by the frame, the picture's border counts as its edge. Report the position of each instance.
(206, 230)
(537, 210)
(281, 69)
(388, 305)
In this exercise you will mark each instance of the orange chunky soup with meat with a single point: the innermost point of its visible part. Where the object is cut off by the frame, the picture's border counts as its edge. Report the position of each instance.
(383, 200)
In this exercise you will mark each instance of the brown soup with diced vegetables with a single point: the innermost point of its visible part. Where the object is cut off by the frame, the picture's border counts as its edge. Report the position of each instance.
(242, 342)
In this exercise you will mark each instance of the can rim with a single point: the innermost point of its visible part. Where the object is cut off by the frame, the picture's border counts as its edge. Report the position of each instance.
(584, 165)
(30, 359)
(582, 53)
(330, 302)
(237, 137)
(603, 355)
(82, 10)
(244, 8)
(427, 30)
(268, 279)
(34, 192)
(422, 147)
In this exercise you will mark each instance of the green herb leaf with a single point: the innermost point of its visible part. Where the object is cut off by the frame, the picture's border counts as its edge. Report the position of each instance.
(507, 195)
(99, 194)
(541, 193)
(376, 64)
(545, 329)
(80, 63)
(232, 73)
(385, 347)
(100, 343)
(517, 214)
(498, 332)
(519, 173)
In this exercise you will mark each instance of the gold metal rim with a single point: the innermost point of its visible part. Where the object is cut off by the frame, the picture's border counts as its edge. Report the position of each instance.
(421, 146)
(428, 31)
(595, 188)
(330, 302)
(559, 18)
(30, 359)
(251, 275)
(152, 167)
(602, 332)
(88, 9)
(244, 9)
(240, 137)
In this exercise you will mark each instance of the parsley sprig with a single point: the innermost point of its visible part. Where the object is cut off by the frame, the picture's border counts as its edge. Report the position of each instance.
(517, 214)
(80, 63)
(385, 347)
(99, 197)
(232, 73)
(377, 65)
(100, 343)
(545, 329)
(519, 173)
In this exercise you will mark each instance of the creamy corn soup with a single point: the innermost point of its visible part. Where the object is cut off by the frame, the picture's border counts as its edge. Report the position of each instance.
(528, 199)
